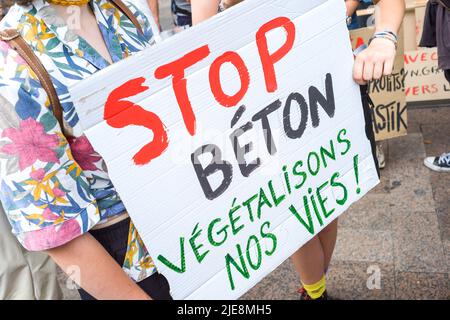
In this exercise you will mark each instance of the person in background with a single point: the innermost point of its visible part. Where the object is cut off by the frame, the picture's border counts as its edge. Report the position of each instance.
(313, 259)
(436, 33)
(23, 275)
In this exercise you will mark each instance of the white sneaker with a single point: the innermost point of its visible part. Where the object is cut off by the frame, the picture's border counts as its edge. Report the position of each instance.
(439, 164)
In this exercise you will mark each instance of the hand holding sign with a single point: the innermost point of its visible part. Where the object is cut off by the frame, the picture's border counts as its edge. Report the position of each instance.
(374, 62)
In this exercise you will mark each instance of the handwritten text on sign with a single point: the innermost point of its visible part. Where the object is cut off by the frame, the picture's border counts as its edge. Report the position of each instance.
(234, 143)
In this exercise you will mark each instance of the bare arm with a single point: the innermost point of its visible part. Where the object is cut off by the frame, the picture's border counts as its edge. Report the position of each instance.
(203, 10)
(99, 274)
(378, 59)
(389, 14)
(154, 7)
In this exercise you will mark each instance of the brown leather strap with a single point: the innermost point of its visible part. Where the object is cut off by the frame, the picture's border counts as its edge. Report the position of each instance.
(126, 11)
(15, 40)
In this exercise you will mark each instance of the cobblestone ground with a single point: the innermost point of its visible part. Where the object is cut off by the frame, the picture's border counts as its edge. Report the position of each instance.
(401, 229)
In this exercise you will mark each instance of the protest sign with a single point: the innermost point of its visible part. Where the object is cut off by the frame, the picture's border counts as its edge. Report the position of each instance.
(235, 142)
(424, 80)
(388, 93)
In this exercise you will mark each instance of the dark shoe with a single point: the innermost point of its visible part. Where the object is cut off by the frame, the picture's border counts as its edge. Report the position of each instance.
(305, 296)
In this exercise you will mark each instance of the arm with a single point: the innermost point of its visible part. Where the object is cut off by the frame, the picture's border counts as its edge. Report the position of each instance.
(389, 14)
(203, 10)
(104, 279)
(378, 59)
(154, 7)
(351, 5)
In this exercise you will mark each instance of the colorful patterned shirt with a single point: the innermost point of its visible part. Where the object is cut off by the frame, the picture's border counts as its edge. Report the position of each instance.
(53, 188)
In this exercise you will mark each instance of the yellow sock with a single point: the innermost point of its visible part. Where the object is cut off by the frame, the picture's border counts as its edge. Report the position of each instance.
(317, 289)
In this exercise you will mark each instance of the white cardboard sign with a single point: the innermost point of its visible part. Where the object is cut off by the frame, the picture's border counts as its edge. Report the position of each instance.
(270, 148)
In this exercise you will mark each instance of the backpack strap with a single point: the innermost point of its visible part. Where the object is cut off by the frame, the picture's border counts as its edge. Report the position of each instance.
(15, 40)
(126, 11)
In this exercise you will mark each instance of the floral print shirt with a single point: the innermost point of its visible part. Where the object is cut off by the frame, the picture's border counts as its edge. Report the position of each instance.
(53, 188)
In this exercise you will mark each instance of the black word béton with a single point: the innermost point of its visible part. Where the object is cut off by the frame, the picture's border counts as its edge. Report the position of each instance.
(309, 112)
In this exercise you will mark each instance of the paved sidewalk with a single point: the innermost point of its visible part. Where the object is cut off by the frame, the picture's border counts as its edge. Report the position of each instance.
(401, 228)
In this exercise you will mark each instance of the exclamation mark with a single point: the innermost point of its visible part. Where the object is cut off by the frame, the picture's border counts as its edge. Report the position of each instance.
(355, 167)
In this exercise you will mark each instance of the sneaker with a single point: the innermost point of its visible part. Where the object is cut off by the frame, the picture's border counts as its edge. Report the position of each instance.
(380, 156)
(305, 296)
(439, 164)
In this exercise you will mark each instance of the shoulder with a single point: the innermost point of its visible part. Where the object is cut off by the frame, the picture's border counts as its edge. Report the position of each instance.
(18, 84)
(14, 16)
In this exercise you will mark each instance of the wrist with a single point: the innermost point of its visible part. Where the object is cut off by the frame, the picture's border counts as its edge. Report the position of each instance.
(385, 36)
(384, 44)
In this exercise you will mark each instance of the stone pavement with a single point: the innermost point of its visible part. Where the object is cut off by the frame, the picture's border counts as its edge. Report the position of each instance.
(400, 230)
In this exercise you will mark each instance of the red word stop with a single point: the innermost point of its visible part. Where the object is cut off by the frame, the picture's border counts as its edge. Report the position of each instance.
(120, 113)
